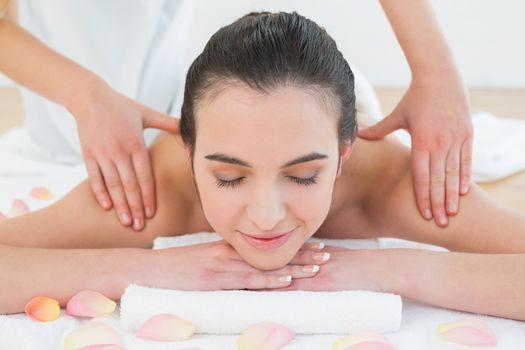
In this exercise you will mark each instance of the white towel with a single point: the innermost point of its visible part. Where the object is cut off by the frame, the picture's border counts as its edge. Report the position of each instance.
(231, 312)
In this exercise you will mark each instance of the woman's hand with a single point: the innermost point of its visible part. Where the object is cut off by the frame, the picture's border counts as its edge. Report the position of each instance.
(110, 128)
(350, 269)
(217, 266)
(436, 113)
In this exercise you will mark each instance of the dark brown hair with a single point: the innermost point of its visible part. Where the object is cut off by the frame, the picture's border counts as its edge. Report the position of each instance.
(266, 51)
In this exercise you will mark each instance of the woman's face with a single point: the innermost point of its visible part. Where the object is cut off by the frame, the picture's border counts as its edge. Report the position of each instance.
(265, 166)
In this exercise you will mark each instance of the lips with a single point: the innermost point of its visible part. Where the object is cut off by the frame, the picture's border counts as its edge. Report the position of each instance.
(267, 242)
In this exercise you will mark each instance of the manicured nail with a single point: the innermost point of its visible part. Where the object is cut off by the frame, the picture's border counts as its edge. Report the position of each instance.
(322, 256)
(149, 212)
(428, 214)
(320, 246)
(136, 224)
(125, 218)
(311, 268)
(452, 207)
(286, 279)
(464, 189)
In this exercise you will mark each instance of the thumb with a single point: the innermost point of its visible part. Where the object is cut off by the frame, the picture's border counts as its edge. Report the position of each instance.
(382, 128)
(157, 120)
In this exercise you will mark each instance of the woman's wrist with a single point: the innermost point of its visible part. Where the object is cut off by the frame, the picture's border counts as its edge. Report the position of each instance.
(392, 277)
(83, 91)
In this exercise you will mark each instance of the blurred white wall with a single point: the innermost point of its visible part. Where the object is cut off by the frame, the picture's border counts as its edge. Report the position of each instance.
(486, 36)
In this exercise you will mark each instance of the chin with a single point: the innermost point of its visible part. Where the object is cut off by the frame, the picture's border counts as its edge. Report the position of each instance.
(268, 262)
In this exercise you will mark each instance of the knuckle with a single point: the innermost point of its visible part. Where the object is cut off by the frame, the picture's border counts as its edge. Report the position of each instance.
(437, 181)
(130, 185)
(113, 183)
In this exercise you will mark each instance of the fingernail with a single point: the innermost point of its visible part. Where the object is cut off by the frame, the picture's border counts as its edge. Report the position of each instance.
(322, 256)
(428, 214)
(287, 279)
(320, 246)
(311, 268)
(125, 218)
(136, 224)
(442, 219)
(149, 212)
(464, 189)
(452, 207)
(105, 203)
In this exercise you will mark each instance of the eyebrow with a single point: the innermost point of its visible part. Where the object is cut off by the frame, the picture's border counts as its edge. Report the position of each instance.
(221, 157)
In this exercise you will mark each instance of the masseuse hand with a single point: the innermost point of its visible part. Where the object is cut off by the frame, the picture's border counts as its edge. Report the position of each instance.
(110, 128)
(436, 113)
(217, 266)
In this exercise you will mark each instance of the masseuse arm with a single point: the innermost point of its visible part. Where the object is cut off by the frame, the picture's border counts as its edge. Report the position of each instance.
(434, 110)
(110, 124)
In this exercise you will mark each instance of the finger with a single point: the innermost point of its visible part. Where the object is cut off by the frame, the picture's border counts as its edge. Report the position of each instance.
(421, 173)
(116, 191)
(157, 120)
(316, 246)
(143, 169)
(381, 129)
(307, 257)
(132, 192)
(452, 181)
(466, 165)
(437, 188)
(250, 280)
(296, 271)
(97, 183)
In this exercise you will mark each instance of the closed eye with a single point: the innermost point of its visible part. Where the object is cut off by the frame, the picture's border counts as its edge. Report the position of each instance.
(300, 181)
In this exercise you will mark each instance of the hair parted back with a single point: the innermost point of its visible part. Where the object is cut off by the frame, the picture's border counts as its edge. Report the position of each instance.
(266, 51)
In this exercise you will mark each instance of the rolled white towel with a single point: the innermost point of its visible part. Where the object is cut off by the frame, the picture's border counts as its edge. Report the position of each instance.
(233, 311)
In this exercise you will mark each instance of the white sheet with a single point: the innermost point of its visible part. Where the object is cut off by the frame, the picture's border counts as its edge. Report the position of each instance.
(19, 174)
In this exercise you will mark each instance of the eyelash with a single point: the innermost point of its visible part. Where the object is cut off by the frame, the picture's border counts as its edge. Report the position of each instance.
(233, 183)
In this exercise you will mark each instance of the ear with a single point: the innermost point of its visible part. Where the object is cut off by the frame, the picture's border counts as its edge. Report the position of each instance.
(187, 150)
(346, 150)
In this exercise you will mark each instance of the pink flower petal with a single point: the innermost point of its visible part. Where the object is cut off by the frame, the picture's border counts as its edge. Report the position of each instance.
(363, 340)
(468, 331)
(2, 216)
(43, 309)
(41, 193)
(103, 347)
(265, 336)
(166, 327)
(90, 334)
(18, 208)
(90, 303)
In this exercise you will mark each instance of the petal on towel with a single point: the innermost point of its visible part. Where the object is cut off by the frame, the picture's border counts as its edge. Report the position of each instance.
(89, 303)
(265, 336)
(90, 334)
(18, 208)
(41, 193)
(2, 216)
(103, 347)
(468, 331)
(166, 327)
(363, 340)
(43, 309)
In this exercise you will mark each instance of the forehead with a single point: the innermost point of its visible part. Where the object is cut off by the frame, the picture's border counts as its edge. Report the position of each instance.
(285, 121)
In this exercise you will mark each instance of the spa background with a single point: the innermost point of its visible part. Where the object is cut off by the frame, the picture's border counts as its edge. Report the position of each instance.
(486, 37)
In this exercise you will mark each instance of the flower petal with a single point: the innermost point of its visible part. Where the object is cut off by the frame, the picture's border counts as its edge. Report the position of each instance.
(18, 208)
(103, 347)
(2, 216)
(89, 303)
(468, 331)
(43, 309)
(166, 327)
(265, 336)
(91, 333)
(41, 193)
(363, 340)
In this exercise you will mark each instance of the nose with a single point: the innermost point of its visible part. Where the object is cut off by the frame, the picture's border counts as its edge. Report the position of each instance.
(266, 208)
